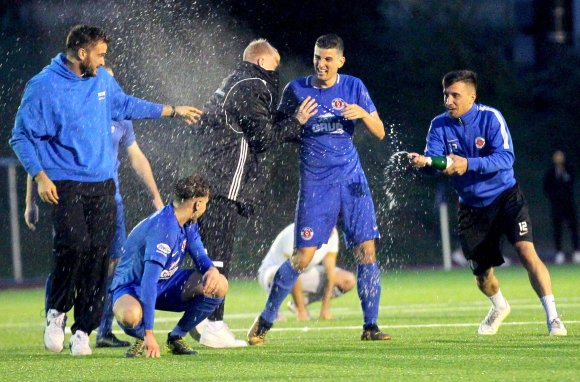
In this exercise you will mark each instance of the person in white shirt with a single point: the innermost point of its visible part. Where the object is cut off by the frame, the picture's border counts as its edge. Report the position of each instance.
(322, 280)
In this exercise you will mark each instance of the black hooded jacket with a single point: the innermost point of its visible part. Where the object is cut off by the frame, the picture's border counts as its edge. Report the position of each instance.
(239, 124)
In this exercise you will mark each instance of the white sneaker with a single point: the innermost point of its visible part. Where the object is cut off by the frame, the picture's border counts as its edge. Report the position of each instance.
(560, 258)
(556, 328)
(576, 257)
(195, 333)
(493, 320)
(54, 330)
(220, 338)
(79, 344)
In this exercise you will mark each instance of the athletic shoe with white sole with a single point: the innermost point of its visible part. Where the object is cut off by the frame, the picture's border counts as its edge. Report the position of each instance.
(556, 328)
(219, 338)
(79, 344)
(493, 320)
(54, 330)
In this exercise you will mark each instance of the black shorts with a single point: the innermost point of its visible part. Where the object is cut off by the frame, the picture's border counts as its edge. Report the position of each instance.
(480, 229)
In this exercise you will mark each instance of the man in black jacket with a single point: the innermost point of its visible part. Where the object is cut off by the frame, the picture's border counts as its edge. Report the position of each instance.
(559, 188)
(238, 126)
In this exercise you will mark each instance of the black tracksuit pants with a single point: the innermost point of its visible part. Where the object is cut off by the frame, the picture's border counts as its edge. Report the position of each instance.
(84, 225)
(218, 230)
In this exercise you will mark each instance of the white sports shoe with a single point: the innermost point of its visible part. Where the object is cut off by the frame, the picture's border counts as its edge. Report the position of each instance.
(560, 258)
(54, 330)
(556, 328)
(79, 344)
(576, 257)
(221, 338)
(493, 320)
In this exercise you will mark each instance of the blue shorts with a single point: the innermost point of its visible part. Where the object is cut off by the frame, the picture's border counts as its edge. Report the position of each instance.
(120, 231)
(319, 208)
(168, 291)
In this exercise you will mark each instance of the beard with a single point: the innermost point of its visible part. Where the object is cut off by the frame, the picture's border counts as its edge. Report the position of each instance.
(87, 70)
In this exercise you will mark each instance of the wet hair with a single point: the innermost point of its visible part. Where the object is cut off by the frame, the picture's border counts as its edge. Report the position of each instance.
(467, 76)
(84, 36)
(258, 48)
(193, 186)
(330, 41)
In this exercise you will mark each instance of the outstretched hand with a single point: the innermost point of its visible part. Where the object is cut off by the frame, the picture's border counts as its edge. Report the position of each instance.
(190, 114)
(306, 110)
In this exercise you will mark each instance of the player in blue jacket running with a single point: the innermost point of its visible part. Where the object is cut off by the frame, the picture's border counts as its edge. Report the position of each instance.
(149, 275)
(491, 204)
(332, 183)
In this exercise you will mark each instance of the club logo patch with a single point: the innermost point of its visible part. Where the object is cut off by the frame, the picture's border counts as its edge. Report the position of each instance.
(338, 104)
(101, 95)
(479, 142)
(163, 249)
(307, 233)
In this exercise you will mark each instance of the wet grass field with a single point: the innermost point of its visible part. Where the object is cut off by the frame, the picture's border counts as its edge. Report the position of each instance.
(432, 315)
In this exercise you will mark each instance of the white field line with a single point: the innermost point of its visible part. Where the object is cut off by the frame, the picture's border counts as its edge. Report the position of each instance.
(523, 304)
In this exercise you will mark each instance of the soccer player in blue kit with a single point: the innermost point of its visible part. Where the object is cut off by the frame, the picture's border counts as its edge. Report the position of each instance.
(332, 183)
(149, 275)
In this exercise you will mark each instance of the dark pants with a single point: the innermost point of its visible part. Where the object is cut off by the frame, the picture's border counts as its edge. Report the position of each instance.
(565, 214)
(84, 226)
(218, 230)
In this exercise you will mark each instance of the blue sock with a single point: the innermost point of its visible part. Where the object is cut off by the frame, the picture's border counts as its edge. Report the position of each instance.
(197, 310)
(368, 283)
(284, 280)
(106, 325)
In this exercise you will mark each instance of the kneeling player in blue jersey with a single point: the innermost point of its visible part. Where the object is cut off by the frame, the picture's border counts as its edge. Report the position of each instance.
(150, 276)
(332, 183)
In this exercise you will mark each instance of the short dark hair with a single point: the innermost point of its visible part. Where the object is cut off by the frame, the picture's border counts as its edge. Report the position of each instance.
(330, 41)
(84, 36)
(194, 186)
(467, 76)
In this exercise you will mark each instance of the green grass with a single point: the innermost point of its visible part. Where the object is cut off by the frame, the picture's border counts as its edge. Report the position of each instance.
(432, 316)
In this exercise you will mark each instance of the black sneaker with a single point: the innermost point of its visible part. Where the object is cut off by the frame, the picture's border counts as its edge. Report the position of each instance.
(373, 333)
(178, 346)
(258, 331)
(136, 350)
(109, 340)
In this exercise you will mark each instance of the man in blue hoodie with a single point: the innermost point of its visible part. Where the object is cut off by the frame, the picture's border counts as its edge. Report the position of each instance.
(62, 136)
(491, 204)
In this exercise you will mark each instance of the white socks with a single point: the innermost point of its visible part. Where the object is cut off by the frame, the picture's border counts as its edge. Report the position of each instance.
(498, 300)
(550, 307)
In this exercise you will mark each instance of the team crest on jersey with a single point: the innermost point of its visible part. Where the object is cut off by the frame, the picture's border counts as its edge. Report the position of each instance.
(163, 249)
(307, 233)
(479, 142)
(338, 104)
(101, 95)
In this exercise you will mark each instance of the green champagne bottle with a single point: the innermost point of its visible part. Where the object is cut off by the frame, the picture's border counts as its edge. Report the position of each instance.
(439, 162)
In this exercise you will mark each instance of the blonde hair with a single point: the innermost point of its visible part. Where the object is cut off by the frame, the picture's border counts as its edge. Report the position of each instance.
(258, 48)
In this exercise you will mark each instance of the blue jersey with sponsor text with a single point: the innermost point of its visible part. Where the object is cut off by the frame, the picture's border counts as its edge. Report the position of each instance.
(161, 239)
(327, 153)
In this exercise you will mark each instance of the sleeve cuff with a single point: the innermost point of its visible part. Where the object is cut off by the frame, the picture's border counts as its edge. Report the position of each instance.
(473, 164)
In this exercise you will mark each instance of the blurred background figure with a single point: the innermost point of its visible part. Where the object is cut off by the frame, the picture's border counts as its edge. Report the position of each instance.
(559, 188)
